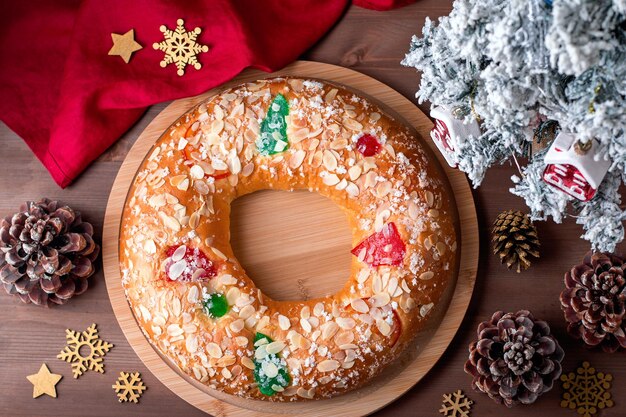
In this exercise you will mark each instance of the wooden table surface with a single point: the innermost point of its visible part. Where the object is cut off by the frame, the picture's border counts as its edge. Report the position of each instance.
(367, 41)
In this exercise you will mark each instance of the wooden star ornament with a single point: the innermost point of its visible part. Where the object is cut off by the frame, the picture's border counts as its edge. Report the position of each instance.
(44, 382)
(124, 45)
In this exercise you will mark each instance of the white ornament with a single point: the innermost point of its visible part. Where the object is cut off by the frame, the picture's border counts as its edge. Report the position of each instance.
(572, 168)
(449, 131)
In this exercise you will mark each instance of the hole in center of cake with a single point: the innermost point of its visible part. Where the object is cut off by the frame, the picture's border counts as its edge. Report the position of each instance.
(294, 246)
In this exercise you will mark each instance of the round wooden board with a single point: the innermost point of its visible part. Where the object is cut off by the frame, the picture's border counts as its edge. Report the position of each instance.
(255, 216)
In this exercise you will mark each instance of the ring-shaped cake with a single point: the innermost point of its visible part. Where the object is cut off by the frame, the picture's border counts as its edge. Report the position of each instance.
(197, 305)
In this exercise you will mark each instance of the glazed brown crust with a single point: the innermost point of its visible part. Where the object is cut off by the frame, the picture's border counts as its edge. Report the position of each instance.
(329, 346)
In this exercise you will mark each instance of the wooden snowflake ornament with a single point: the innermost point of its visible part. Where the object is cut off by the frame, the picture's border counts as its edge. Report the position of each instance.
(93, 353)
(456, 404)
(180, 47)
(586, 391)
(129, 387)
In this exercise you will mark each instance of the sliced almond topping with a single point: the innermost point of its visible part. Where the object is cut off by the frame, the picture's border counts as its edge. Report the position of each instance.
(271, 370)
(430, 198)
(247, 170)
(354, 172)
(177, 269)
(283, 322)
(247, 362)
(237, 325)
(441, 247)
(246, 312)
(374, 116)
(227, 279)
(149, 246)
(346, 322)
(425, 309)
(352, 189)
(214, 350)
(299, 135)
(329, 329)
(330, 96)
(360, 305)
(379, 300)
(169, 221)
(306, 326)
(318, 309)
(413, 211)
(384, 327)
(192, 294)
(174, 330)
(296, 159)
(331, 179)
(392, 286)
(352, 124)
(344, 337)
(183, 185)
(241, 341)
(329, 160)
(275, 347)
(327, 365)
(427, 275)
(196, 172)
(433, 213)
(232, 294)
(383, 188)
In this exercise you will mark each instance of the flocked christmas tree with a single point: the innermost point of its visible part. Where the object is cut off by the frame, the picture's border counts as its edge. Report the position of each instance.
(503, 75)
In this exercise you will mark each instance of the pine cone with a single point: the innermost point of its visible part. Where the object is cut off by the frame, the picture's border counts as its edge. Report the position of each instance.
(594, 301)
(515, 239)
(46, 253)
(515, 359)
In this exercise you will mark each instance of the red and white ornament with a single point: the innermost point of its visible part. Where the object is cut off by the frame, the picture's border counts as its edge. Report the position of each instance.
(572, 168)
(449, 131)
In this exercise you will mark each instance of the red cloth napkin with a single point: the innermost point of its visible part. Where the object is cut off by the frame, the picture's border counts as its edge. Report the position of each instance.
(69, 100)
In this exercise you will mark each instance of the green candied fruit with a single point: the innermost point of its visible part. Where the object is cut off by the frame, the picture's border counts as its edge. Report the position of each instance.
(273, 137)
(264, 382)
(215, 305)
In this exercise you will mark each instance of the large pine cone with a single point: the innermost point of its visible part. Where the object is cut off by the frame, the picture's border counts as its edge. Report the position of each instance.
(515, 358)
(515, 239)
(46, 253)
(594, 299)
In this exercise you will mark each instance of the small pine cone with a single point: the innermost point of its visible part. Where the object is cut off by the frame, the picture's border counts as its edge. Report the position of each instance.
(515, 358)
(594, 301)
(515, 239)
(46, 253)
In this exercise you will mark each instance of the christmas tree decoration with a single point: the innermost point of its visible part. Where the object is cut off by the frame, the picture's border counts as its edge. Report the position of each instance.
(95, 347)
(273, 137)
(270, 370)
(215, 305)
(44, 382)
(450, 130)
(594, 301)
(515, 239)
(129, 387)
(124, 45)
(456, 404)
(586, 391)
(188, 264)
(572, 167)
(515, 359)
(385, 247)
(180, 47)
(46, 253)
(517, 66)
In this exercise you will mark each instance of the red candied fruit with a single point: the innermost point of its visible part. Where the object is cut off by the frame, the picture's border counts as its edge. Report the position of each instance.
(382, 248)
(368, 145)
(193, 265)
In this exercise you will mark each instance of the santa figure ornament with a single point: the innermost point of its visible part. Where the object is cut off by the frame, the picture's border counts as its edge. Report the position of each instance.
(572, 168)
(450, 130)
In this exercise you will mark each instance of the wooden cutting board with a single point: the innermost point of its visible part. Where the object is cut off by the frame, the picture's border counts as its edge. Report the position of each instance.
(296, 246)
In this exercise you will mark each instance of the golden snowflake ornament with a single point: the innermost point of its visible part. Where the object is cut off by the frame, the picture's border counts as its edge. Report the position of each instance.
(456, 404)
(93, 347)
(180, 47)
(129, 387)
(586, 391)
